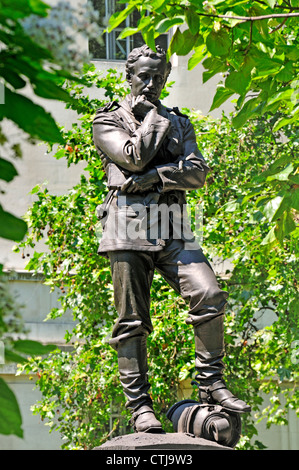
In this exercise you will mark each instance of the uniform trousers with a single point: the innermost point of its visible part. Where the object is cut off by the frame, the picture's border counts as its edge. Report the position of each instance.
(190, 274)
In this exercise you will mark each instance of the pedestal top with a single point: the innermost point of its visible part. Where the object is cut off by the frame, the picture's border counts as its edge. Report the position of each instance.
(168, 441)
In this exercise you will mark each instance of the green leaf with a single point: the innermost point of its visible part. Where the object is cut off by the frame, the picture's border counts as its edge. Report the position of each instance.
(182, 43)
(11, 227)
(252, 194)
(286, 73)
(149, 38)
(20, 9)
(270, 237)
(10, 416)
(271, 207)
(7, 170)
(278, 165)
(33, 348)
(215, 2)
(127, 32)
(214, 65)
(218, 43)
(284, 121)
(284, 226)
(282, 175)
(271, 3)
(221, 95)
(50, 90)
(284, 94)
(11, 356)
(238, 82)
(231, 22)
(230, 206)
(189, 41)
(247, 112)
(156, 4)
(294, 200)
(274, 209)
(168, 23)
(265, 66)
(38, 7)
(36, 189)
(12, 77)
(117, 18)
(176, 42)
(196, 58)
(30, 117)
(294, 179)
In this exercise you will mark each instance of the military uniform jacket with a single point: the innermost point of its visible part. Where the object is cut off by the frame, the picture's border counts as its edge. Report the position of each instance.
(164, 140)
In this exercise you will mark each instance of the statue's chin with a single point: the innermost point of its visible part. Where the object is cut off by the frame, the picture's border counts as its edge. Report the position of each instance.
(152, 98)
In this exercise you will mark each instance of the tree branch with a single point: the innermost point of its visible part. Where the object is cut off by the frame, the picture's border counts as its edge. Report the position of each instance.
(279, 26)
(285, 6)
(251, 18)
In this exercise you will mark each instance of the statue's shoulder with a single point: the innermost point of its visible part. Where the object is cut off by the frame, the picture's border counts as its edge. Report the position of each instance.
(111, 106)
(177, 112)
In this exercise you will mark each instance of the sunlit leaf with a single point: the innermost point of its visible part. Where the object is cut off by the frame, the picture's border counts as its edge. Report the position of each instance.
(10, 416)
(11, 227)
(7, 170)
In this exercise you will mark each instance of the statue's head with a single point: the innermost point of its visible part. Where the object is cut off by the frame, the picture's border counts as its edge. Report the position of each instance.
(147, 71)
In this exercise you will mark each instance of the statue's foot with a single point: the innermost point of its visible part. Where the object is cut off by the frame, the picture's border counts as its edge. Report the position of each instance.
(144, 420)
(217, 393)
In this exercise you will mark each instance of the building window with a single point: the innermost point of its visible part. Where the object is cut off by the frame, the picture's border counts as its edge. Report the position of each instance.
(111, 48)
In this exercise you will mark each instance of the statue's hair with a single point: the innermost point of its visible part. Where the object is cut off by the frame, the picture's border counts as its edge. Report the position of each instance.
(145, 51)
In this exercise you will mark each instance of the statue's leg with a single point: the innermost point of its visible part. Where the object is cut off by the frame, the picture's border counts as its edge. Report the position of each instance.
(132, 274)
(209, 351)
(190, 274)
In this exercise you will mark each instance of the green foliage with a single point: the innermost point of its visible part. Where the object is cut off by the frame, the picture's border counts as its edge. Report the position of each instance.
(80, 384)
(240, 213)
(10, 325)
(12, 227)
(10, 417)
(23, 63)
(34, 66)
(253, 44)
(13, 350)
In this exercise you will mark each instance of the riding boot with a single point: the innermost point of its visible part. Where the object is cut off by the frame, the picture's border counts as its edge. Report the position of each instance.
(133, 370)
(209, 352)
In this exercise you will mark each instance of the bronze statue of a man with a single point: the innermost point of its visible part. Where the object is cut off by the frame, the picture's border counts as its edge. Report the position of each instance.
(151, 159)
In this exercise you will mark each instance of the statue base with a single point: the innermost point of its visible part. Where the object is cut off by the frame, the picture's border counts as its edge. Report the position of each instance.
(169, 441)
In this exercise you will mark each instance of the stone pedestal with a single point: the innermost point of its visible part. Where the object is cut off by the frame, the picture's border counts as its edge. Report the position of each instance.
(178, 442)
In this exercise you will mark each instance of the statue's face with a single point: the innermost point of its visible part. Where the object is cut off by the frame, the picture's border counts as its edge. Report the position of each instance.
(148, 78)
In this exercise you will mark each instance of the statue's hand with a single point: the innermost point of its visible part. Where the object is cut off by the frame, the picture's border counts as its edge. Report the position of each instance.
(141, 183)
(141, 106)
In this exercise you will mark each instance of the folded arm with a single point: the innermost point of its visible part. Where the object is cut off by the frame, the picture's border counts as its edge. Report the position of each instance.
(187, 173)
(131, 152)
(189, 170)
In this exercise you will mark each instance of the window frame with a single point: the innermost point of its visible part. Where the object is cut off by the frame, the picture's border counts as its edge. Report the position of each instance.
(110, 39)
